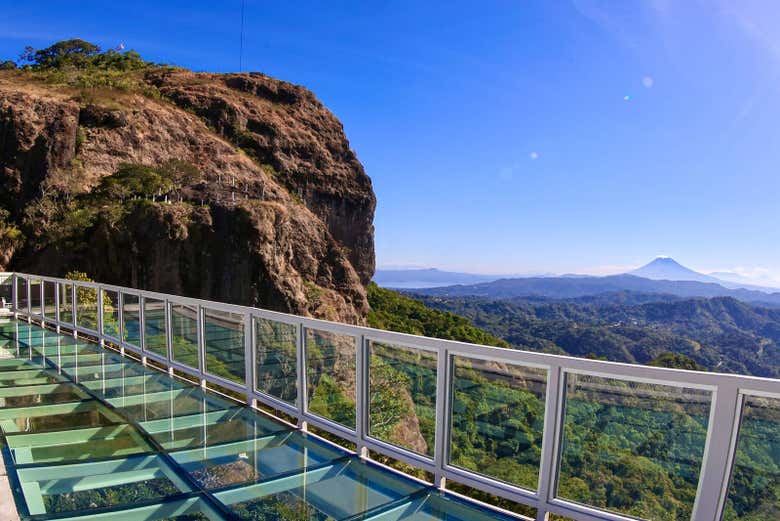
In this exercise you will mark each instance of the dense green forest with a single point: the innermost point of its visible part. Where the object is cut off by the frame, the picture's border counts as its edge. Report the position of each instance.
(632, 448)
(719, 334)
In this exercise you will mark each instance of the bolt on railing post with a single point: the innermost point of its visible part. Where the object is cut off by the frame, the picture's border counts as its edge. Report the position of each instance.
(249, 362)
(300, 350)
(361, 394)
(441, 437)
(553, 420)
(726, 408)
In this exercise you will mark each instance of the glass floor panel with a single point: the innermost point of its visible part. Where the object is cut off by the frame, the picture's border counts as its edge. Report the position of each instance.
(88, 434)
(213, 428)
(88, 413)
(256, 459)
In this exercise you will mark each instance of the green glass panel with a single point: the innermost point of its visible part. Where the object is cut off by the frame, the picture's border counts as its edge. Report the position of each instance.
(333, 492)
(402, 396)
(131, 319)
(205, 430)
(111, 313)
(255, 459)
(184, 334)
(22, 299)
(76, 445)
(35, 297)
(86, 307)
(276, 345)
(634, 448)
(154, 327)
(49, 299)
(330, 364)
(224, 341)
(497, 420)
(754, 491)
(66, 303)
(57, 417)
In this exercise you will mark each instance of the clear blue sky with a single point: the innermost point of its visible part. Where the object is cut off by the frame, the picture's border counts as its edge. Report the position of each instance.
(510, 136)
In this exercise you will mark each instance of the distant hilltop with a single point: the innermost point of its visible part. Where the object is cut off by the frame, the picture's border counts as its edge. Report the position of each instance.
(663, 275)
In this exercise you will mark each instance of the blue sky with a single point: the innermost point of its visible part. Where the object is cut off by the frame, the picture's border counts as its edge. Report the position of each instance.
(515, 136)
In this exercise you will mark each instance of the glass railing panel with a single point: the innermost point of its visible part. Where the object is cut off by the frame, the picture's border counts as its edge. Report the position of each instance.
(49, 300)
(86, 307)
(155, 339)
(276, 359)
(255, 460)
(402, 396)
(634, 448)
(35, 297)
(131, 319)
(111, 313)
(224, 342)
(754, 489)
(66, 303)
(100, 484)
(497, 419)
(22, 299)
(330, 365)
(184, 334)
(6, 291)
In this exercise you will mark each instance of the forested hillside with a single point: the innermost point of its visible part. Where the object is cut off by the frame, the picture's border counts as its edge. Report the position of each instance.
(721, 334)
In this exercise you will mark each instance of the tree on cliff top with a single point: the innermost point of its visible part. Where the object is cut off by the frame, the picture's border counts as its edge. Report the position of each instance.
(75, 52)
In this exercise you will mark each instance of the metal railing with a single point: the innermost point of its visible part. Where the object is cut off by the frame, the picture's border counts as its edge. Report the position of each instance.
(118, 315)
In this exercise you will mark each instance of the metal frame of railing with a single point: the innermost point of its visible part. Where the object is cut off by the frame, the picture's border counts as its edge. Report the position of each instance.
(728, 391)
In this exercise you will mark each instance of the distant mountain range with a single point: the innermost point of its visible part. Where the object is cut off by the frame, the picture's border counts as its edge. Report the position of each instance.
(427, 278)
(663, 276)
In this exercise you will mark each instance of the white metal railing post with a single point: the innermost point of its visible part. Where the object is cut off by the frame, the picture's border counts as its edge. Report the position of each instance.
(29, 301)
(553, 420)
(100, 317)
(361, 394)
(57, 317)
(14, 296)
(142, 328)
(168, 321)
(73, 306)
(441, 437)
(199, 323)
(120, 297)
(249, 360)
(300, 352)
(717, 454)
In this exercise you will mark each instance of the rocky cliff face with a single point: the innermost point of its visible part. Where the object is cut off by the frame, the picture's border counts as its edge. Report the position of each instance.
(280, 215)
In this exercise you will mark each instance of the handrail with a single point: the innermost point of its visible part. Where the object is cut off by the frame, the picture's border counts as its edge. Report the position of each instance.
(726, 391)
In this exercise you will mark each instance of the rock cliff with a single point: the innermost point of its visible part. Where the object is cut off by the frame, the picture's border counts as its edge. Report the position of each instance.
(278, 214)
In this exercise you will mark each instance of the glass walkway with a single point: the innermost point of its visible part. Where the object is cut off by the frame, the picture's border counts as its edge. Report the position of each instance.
(90, 434)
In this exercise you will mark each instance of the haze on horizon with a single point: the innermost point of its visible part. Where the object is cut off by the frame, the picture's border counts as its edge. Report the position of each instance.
(555, 137)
